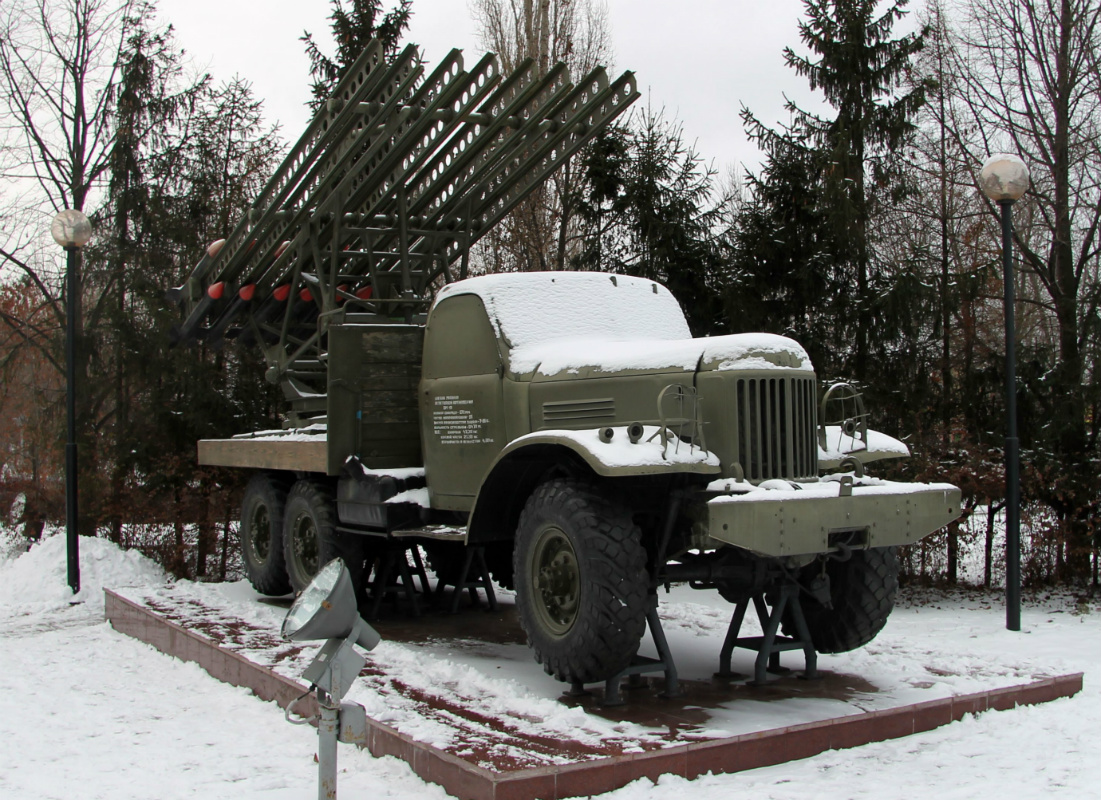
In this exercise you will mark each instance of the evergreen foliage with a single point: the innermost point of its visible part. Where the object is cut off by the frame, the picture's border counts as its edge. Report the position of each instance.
(352, 28)
(783, 278)
(845, 168)
(186, 160)
(648, 210)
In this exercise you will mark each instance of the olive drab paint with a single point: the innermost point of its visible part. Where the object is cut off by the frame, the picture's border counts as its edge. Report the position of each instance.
(546, 424)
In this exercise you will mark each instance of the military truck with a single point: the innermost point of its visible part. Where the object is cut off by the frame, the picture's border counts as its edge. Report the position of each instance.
(561, 431)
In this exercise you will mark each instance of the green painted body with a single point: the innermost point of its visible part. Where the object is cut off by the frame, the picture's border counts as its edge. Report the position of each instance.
(506, 384)
(566, 427)
(479, 416)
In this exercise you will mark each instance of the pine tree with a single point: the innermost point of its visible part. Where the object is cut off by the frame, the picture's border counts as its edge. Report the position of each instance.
(861, 70)
(352, 28)
(186, 160)
(649, 211)
(783, 278)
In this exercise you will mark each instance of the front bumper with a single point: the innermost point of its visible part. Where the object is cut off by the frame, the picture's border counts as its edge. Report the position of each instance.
(800, 520)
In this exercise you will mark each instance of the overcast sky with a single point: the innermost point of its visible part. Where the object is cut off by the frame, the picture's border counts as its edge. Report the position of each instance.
(699, 59)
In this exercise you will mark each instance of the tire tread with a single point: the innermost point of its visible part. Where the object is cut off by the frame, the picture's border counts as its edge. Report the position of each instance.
(610, 625)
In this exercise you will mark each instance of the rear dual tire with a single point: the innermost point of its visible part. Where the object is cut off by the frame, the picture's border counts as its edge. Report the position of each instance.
(288, 532)
(311, 539)
(261, 533)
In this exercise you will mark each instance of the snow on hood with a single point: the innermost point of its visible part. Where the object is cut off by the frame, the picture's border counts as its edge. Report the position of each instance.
(736, 351)
(557, 322)
(37, 580)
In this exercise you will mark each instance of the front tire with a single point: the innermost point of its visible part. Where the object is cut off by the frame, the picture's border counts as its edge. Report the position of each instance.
(862, 593)
(581, 581)
(261, 533)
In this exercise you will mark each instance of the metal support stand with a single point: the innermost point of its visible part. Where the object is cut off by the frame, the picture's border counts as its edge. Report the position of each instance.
(769, 645)
(386, 583)
(641, 665)
(475, 558)
(336, 722)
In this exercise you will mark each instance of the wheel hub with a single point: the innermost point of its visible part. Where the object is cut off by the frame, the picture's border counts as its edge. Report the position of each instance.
(260, 534)
(556, 581)
(306, 544)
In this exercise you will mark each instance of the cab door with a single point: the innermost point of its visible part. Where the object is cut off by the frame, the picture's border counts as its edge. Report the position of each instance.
(461, 414)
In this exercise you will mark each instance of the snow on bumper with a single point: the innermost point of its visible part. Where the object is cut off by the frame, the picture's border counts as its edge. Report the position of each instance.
(800, 520)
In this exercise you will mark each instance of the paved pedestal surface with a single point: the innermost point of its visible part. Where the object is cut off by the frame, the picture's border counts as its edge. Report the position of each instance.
(433, 700)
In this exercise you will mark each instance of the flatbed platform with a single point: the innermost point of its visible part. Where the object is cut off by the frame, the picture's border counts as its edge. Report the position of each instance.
(290, 450)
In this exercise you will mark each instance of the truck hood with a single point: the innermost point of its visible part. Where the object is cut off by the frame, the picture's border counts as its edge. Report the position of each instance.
(595, 357)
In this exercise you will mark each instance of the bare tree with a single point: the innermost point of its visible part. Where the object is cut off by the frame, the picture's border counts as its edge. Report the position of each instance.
(539, 234)
(58, 74)
(1030, 83)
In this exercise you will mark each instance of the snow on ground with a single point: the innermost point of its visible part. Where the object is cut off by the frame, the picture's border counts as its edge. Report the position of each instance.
(90, 713)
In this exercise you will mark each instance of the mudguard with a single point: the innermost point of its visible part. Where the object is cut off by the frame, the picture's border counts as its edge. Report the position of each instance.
(609, 452)
(618, 451)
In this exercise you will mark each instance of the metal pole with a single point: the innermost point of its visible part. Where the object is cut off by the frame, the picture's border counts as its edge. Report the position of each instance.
(1012, 446)
(71, 510)
(326, 748)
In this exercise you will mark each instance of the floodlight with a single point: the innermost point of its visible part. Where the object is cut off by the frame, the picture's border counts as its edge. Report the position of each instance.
(326, 609)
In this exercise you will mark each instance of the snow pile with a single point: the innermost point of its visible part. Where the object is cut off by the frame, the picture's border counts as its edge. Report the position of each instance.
(37, 580)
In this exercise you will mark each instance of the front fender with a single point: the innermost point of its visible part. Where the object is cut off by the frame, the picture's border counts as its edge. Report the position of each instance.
(525, 462)
(614, 455)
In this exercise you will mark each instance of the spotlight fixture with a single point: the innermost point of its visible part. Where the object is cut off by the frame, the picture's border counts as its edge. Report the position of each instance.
(326, 610)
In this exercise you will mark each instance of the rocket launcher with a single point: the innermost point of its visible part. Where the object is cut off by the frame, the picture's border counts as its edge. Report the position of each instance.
(397, 176)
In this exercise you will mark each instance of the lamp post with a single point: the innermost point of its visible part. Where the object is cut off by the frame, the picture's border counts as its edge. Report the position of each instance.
(1004, 178)
(72, 230)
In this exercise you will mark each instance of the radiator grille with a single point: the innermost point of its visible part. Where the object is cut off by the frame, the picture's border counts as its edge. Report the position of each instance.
(776, 428)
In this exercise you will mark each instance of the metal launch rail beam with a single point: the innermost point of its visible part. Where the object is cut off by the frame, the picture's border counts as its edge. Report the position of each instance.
(398, 174)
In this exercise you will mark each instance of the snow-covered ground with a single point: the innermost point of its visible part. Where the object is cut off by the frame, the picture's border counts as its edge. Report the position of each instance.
(90, 713)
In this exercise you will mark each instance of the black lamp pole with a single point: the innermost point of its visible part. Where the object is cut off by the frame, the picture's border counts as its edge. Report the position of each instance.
(1004, 179)
(72, 514)
(1012, 446)
(72, 230)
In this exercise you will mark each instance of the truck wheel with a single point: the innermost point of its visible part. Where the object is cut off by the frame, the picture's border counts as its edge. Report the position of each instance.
(862, 592)
(581, 581)
(261, 534)
(310, 540)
